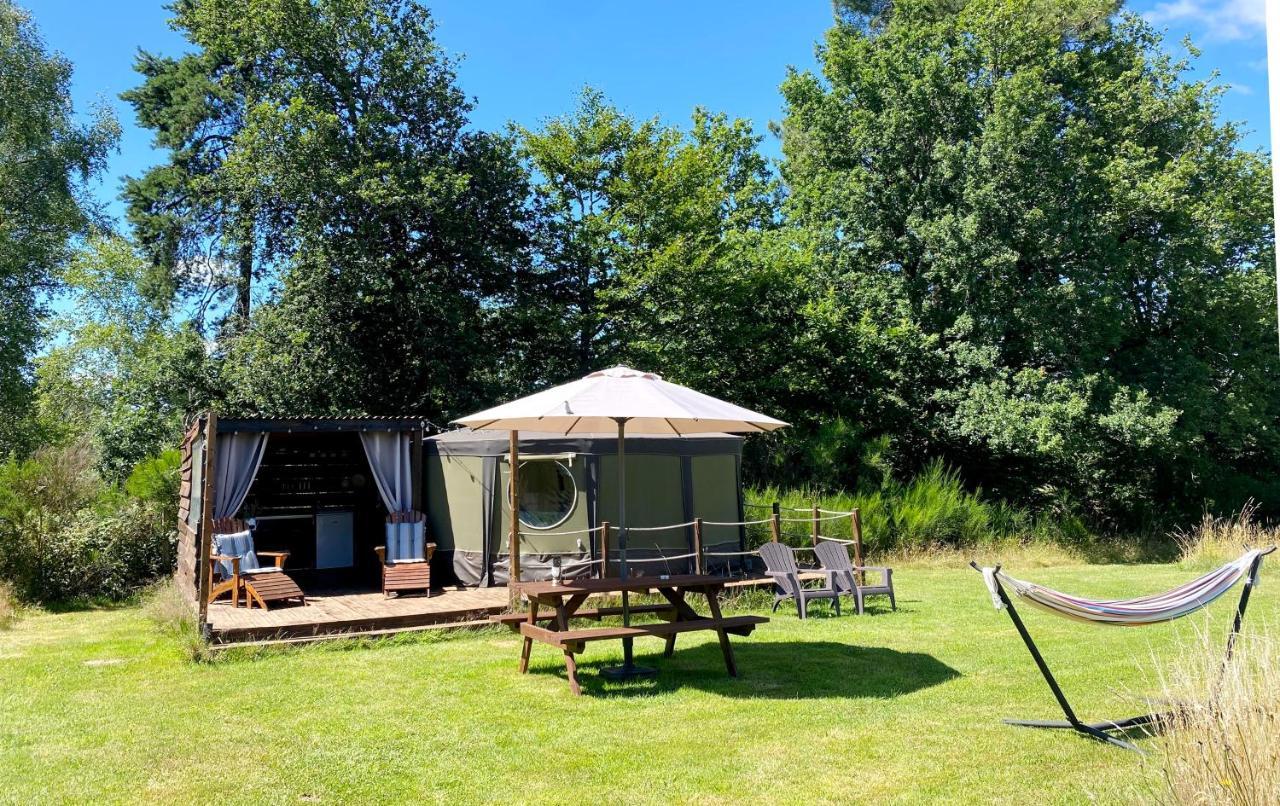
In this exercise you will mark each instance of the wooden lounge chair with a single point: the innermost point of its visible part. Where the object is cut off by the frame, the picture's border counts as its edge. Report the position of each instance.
(842, 575)
(234, 569)
(406, 557)
(780, 565)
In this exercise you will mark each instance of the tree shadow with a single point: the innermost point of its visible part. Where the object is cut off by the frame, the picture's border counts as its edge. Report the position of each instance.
(780, 670)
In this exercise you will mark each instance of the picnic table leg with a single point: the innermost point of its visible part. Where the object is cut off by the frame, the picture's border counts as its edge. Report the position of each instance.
(571, 666)
(682, 613)
(725, 647)
(528, 642)
(563, 611)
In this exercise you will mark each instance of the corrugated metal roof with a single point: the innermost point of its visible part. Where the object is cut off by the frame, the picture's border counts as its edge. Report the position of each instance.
(328, 422)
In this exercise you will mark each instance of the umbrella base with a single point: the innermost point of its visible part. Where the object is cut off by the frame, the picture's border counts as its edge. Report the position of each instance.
(628, 671)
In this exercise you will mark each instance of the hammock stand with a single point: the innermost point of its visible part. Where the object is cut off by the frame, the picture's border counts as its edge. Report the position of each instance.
(1098, 730)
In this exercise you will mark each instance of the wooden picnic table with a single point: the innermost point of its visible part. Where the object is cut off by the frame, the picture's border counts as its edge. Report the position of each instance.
(566, 599)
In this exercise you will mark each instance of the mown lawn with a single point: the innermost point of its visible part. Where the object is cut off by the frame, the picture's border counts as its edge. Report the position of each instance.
(904, 706)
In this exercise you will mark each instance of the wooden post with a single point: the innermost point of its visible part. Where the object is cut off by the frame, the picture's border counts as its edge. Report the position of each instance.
(204, 547)
(815, 524)
(604, 549)
(699, 567)
(855, 528)
(775, 523)
(513, 575)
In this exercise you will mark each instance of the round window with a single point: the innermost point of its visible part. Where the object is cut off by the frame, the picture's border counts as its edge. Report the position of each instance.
(548, 494)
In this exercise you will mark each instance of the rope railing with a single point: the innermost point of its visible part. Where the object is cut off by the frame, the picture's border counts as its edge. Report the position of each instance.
(662, 559)
(700, 554)
(561, 534)
(661, 528)
(811, 519)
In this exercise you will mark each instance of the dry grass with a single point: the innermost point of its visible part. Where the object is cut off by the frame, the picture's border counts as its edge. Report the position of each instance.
(1222, 747)
(9, 607)
(1013, 553)
(1215, 541)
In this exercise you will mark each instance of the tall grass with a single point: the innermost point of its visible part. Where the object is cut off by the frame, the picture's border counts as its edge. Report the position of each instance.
(9, 608)
(1222, 746)
(174, 616)
(1215, 541)
(930, 512)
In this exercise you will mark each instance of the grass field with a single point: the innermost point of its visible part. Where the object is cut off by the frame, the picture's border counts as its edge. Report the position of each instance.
(100, 705)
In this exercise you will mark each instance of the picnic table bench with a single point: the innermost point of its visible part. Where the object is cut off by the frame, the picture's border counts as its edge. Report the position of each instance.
(565, 600)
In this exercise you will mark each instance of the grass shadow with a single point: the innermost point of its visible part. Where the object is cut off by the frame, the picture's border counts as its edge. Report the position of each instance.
(783, 670)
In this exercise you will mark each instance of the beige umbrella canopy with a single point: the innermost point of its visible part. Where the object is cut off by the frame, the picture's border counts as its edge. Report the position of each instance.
(618, 398)
(642, 400)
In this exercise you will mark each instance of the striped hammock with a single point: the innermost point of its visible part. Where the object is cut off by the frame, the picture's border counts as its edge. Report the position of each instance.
(1152, 609)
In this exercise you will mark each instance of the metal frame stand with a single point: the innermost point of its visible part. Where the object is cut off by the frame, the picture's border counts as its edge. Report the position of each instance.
(1098, 730)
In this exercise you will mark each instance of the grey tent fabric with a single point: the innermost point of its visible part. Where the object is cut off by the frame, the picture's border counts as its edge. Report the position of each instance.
(388, 454)
(238, 458)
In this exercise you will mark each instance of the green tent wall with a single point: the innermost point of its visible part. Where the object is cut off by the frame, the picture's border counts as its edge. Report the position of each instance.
(670, 480)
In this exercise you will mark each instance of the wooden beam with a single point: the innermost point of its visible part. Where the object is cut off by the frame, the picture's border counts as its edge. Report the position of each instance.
(604, 549)
(699, 567)
(204, 567)
(855, 528)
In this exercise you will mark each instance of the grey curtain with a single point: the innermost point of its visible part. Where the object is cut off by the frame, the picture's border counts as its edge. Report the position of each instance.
(238, 459)
(388, 454)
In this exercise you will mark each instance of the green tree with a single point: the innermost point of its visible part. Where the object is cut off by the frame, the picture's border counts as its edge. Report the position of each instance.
(125, 371)
(47, 158)
(1088, 250)
(645, 238)
(391, 229)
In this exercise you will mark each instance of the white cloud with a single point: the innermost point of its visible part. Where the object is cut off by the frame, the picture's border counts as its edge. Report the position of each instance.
(1221, 20)
(1243, 89)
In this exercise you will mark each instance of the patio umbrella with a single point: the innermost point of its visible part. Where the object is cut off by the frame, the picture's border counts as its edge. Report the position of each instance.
(627, 400)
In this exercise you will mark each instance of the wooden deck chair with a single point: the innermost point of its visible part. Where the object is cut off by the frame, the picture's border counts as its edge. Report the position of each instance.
(234, 568)
(406, 557)
(780, 566)
(842, 576)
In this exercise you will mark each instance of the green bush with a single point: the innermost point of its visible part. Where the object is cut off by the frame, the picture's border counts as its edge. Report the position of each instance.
(66, 535)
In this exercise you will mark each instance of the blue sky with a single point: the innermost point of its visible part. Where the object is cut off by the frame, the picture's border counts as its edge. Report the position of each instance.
(525, 60)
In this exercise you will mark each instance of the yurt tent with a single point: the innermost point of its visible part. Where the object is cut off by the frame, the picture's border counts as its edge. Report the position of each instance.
(567, 489)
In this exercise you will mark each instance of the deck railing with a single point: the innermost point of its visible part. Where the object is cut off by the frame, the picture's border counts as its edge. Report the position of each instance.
(819, 523)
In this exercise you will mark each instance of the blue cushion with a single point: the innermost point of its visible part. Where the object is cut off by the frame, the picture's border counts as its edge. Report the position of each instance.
(236, 544)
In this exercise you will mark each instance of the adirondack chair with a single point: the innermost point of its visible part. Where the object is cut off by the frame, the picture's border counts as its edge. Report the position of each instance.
(842, 576)
(780, 565)
(234, 568)
(406, 557)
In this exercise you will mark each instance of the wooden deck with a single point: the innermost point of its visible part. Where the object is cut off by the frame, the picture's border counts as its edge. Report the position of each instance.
(353, 612)
(329, 614)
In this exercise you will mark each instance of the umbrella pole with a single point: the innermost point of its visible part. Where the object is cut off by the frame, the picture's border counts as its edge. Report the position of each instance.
(628, 669)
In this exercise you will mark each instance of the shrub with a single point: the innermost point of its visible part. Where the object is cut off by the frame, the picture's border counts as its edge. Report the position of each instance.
(106, 554)
(65, 534)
